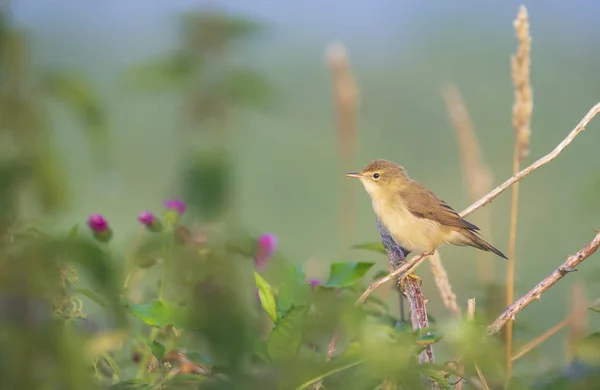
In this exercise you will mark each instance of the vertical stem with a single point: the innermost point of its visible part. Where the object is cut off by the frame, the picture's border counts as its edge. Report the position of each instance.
(510, 273)
(345, 93)
(412, 287)
(161, 296)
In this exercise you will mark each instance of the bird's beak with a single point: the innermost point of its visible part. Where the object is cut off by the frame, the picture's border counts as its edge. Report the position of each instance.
(353, 174)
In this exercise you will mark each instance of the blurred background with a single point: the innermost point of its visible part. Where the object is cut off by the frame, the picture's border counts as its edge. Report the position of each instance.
(240, 110)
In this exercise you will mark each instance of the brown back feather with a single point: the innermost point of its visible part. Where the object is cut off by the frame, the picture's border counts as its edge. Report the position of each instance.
(423, 203)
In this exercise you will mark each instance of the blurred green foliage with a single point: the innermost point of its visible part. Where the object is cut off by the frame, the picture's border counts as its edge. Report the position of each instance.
(29, 162)
(212, 87)
(217, 322)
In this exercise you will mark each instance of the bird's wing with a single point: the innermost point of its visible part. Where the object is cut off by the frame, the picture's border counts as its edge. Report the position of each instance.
(423, 203)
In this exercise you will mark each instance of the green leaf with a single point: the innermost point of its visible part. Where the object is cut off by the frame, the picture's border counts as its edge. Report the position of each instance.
(434, 372)
(265, 293)
(371, 246)
(428, 339)
(158, 313)
(285, 339)
(158, 350)
(293, 291)
(596, 309)
(73, 231)
(91, 295)
(347, 274)
(113, 365)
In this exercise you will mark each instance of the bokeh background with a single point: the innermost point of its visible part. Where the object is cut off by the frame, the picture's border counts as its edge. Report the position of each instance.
(280, 131)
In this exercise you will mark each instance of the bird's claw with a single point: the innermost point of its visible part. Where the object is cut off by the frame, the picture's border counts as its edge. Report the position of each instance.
(401, 281)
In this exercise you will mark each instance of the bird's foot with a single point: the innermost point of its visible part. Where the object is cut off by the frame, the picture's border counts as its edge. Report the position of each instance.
(402, 281)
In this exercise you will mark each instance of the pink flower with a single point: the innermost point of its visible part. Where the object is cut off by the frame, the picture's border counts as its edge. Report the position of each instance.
(97, 223)
(267, 243)
(177, 205)
(146, 218)
(314, 283)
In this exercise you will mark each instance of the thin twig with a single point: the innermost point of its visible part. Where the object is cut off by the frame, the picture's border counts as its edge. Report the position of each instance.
(536, 165)
(405, 268)
(418, 259)
(481, 378)
(522, 109)
(531, 345)
(443, 284)
(535, 293)
(330, 351)
(477, 175)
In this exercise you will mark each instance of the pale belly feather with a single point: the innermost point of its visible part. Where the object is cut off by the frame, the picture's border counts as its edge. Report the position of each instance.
(412, 233)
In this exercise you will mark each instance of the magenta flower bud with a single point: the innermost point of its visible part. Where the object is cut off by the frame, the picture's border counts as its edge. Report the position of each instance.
(177, 205)
(97, 223)
(146, 218)
(99, 226)
(266, 245)
(314, 283)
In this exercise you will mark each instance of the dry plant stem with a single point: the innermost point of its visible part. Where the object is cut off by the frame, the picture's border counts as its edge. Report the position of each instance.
(330, 351)
(345, 94)
(418, 259)
(477, 176)
(484, 384)
(578, 327)
(443, 284)
(510, 269)
(471, 309)
(461, 365)
(412, 288)
(522, 109)
(471, 317)
(535, 293)
(545, 336)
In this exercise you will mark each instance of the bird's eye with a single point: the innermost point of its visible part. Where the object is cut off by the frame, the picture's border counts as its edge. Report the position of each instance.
(376, 175)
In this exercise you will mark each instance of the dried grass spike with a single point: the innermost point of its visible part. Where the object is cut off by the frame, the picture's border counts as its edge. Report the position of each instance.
(520, 65)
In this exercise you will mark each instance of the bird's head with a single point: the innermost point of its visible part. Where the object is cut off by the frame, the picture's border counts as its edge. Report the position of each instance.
(380, 177)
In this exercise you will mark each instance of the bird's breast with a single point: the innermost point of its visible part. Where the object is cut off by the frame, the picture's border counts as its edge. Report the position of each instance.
(409, 231)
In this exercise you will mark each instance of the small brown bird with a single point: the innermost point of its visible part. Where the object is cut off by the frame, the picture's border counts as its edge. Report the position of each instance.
(418, 220)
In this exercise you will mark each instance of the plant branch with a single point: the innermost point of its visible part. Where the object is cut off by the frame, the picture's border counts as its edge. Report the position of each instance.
(412, 288)
(535, 293)
(418, 259)
(537, 164)
(531, 345)
(330, 350)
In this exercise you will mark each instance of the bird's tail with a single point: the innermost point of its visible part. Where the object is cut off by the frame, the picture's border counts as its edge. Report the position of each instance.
(480, 243)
